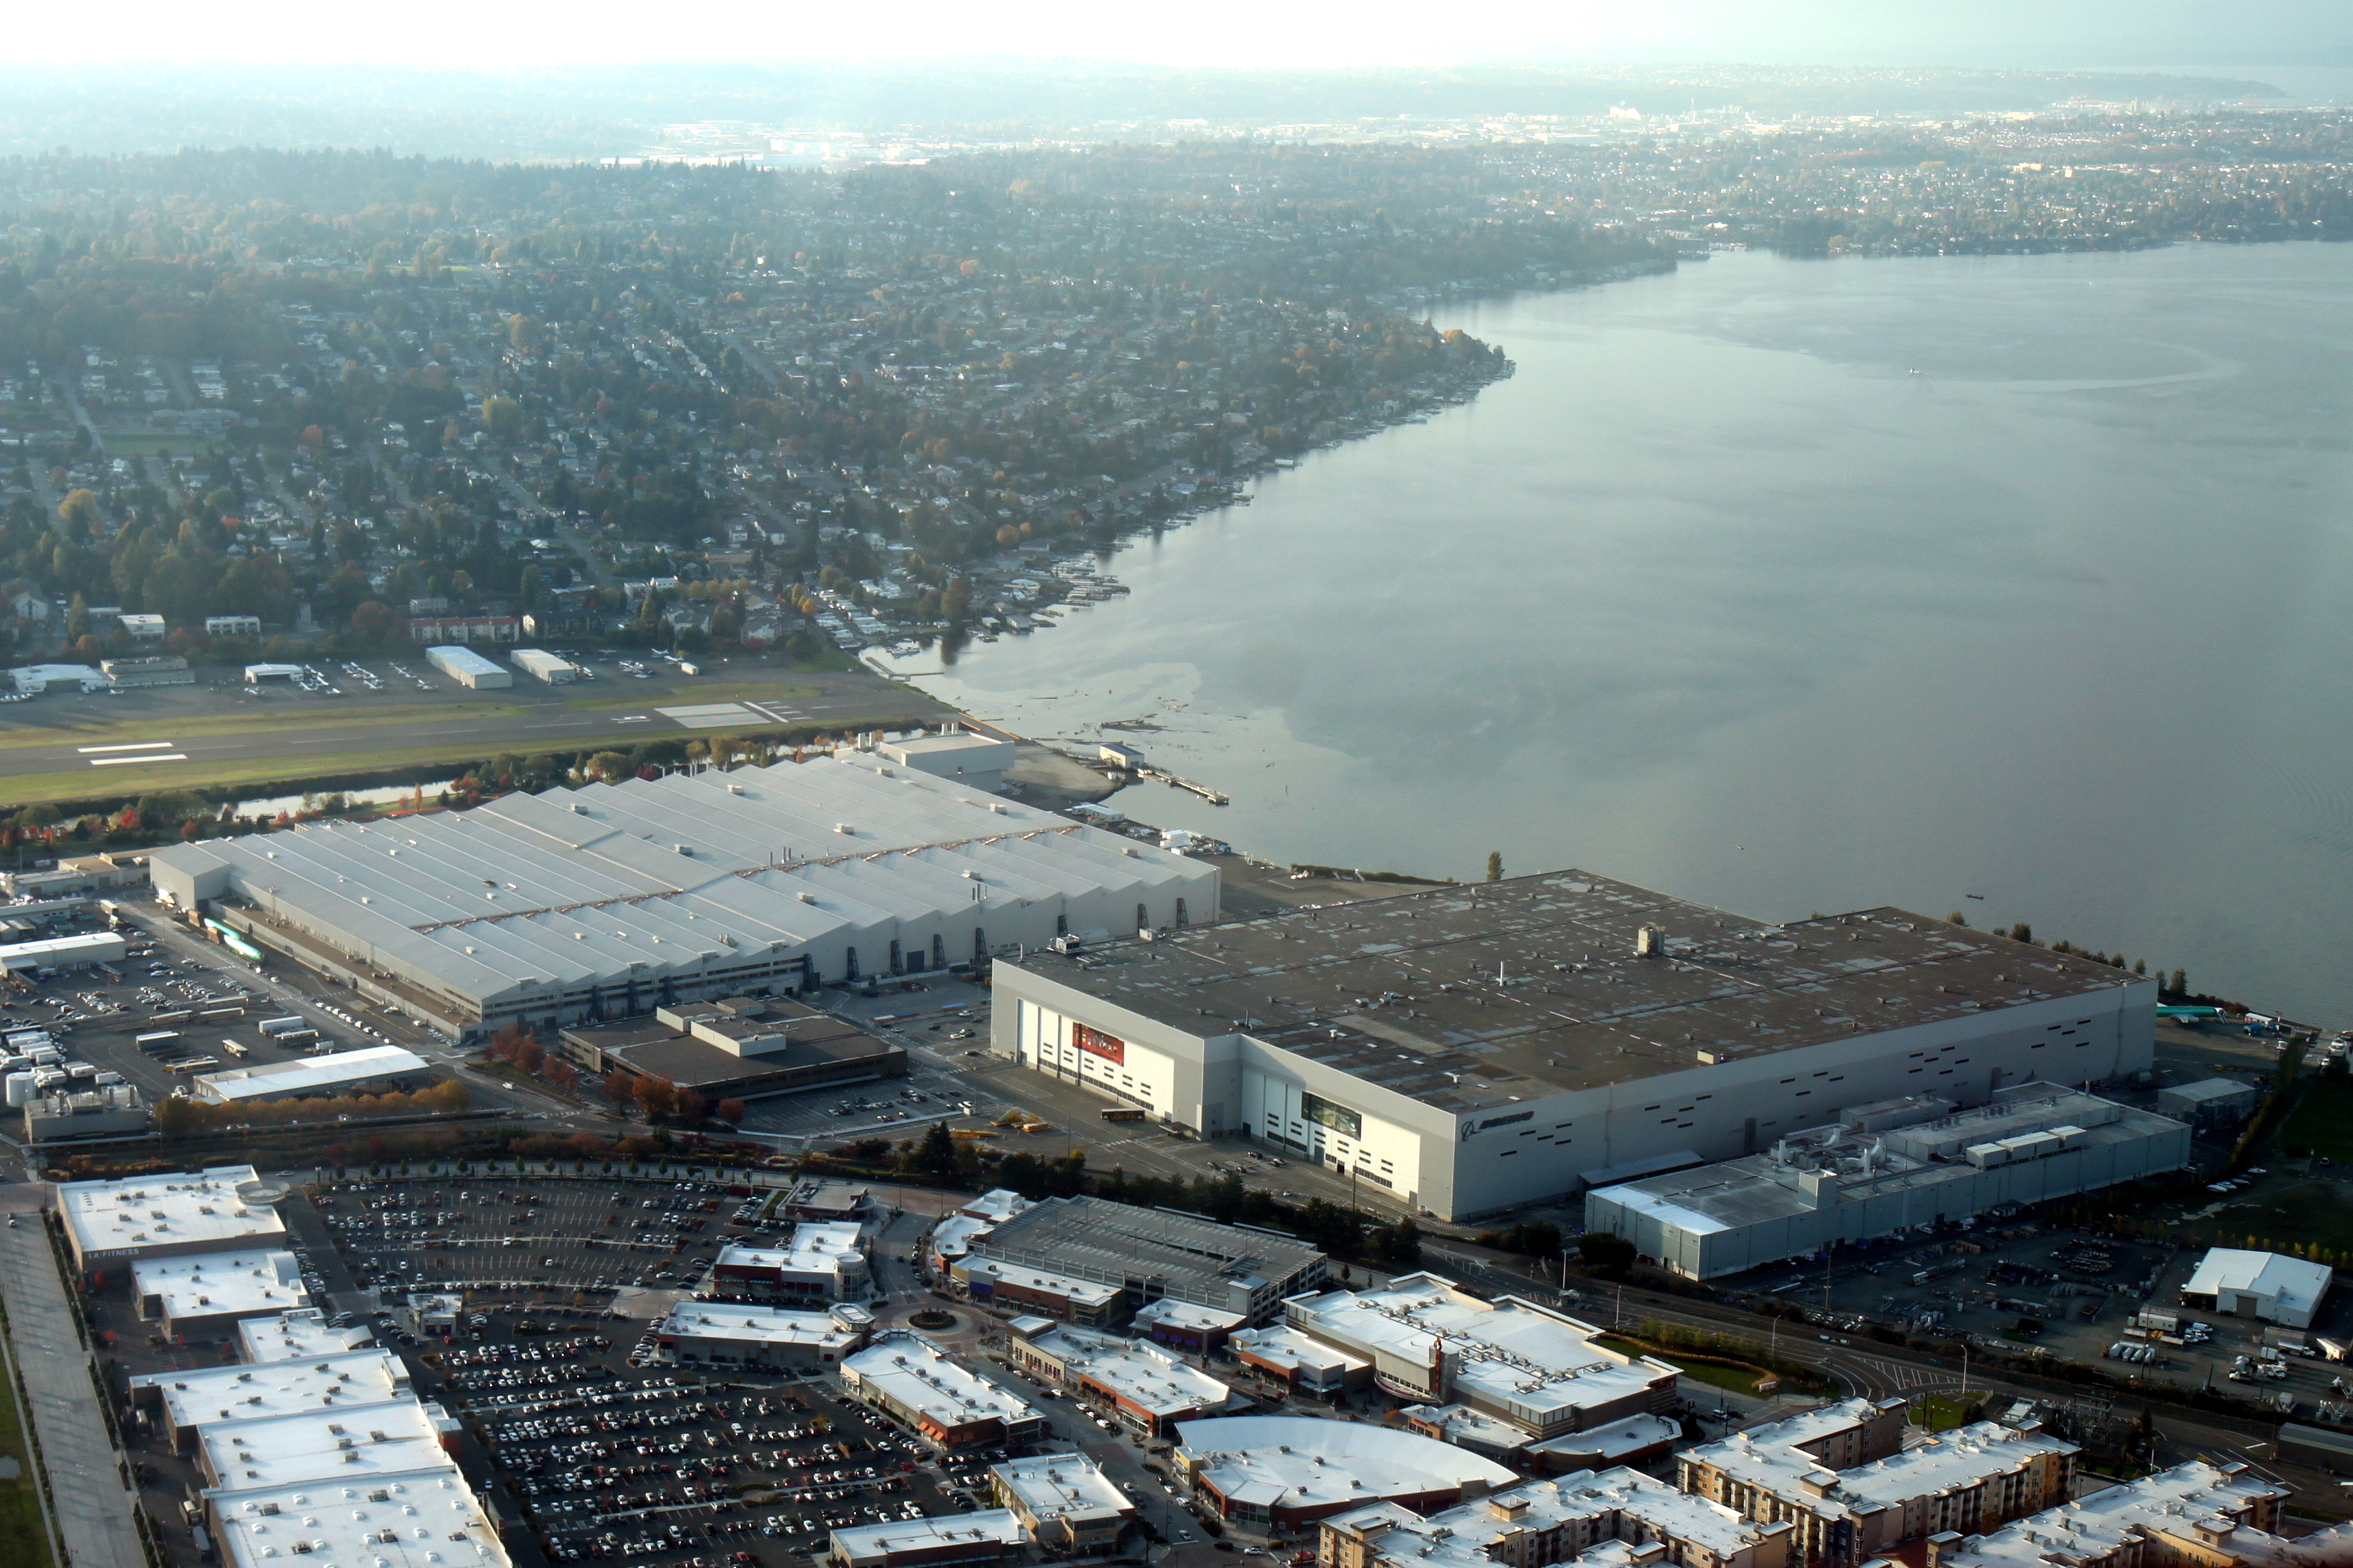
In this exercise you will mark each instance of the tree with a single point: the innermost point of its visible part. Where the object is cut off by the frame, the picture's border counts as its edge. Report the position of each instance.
(620, 1086)
(372, 623)
(732, 1111)
(78, 512)
(611, 767)
(1494, 865)
(936, 1155)
(1401, 1247)
(503, 417)
(1604, 1253)
(657, 1095)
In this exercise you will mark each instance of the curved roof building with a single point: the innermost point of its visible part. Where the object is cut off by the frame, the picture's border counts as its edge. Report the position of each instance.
(1274, 1471)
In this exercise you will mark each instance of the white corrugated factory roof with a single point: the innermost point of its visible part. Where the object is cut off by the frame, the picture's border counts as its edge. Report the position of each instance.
(329, 1071)
(534, 894)
(2291, 1281)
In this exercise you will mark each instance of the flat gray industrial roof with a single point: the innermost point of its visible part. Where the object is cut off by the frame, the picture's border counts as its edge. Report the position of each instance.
(1113, 1243)
(1463, 995)
(1759, 1188)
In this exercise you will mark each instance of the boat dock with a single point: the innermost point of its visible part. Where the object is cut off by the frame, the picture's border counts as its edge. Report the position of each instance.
(1204, 791)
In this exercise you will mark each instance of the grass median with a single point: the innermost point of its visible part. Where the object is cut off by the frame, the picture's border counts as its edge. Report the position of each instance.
(23, 1538)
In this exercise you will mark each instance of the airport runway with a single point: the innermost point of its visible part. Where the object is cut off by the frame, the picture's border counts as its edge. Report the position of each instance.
(154, 738)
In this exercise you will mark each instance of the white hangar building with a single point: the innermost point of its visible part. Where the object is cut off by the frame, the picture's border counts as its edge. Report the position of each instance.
(612, 900)
(1472, 1048)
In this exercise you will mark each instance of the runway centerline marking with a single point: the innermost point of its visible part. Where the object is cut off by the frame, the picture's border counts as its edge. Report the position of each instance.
(130, 746)
(150, 757)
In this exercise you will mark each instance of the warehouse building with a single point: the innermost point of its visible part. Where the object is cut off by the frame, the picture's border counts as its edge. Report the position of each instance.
(1433, 1343)
(106, 1110)
(167, 1215)
(1273, 1474)
(372, 1067)
(610, 900)
(979, 760)
(1883, 1168)
(1468, 1050)
(1069, 1508)
(469, 669)
(77, 951)
(541, 666)
(1539, 1523)
(738, 1047)
(204, 1294)
(2262, 1285)
(912, 1381)
(159, 669)
(1147, 1255)
(2212, 1102)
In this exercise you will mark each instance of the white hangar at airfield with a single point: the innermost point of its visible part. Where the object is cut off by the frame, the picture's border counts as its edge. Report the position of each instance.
(612, 900)
(1471, 1048)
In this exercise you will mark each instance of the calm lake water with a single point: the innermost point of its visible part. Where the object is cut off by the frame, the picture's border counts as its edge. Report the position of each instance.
(1804, 586)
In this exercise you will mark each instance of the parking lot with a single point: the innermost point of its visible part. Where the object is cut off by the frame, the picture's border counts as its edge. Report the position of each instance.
(577, 1236)
(656, 1466)
(200, 1008)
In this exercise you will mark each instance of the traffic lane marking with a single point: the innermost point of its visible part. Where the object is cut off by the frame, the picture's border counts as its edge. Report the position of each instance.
(129, 746)
(150, 757)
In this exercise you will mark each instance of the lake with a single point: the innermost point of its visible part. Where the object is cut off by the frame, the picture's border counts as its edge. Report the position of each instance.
(1803, 585)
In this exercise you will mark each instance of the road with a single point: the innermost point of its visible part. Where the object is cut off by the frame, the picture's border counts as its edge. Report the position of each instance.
(93, 1504)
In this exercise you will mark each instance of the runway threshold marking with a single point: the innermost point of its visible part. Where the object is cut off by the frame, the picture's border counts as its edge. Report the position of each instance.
(150, 757)
(130, 746)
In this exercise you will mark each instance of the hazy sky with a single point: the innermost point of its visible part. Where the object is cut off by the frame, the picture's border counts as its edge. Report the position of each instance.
(1255, 33)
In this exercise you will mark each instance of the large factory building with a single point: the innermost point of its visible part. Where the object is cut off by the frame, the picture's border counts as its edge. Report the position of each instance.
(611, 901)
(1472, 1048)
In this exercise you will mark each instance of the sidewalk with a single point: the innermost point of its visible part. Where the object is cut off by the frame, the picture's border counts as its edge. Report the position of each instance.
(93, 1508)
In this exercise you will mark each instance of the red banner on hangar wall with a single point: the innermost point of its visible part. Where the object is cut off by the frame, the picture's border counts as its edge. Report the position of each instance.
(1096, 1043)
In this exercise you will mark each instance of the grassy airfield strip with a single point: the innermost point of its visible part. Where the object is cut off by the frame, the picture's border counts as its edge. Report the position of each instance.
(106, 754)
